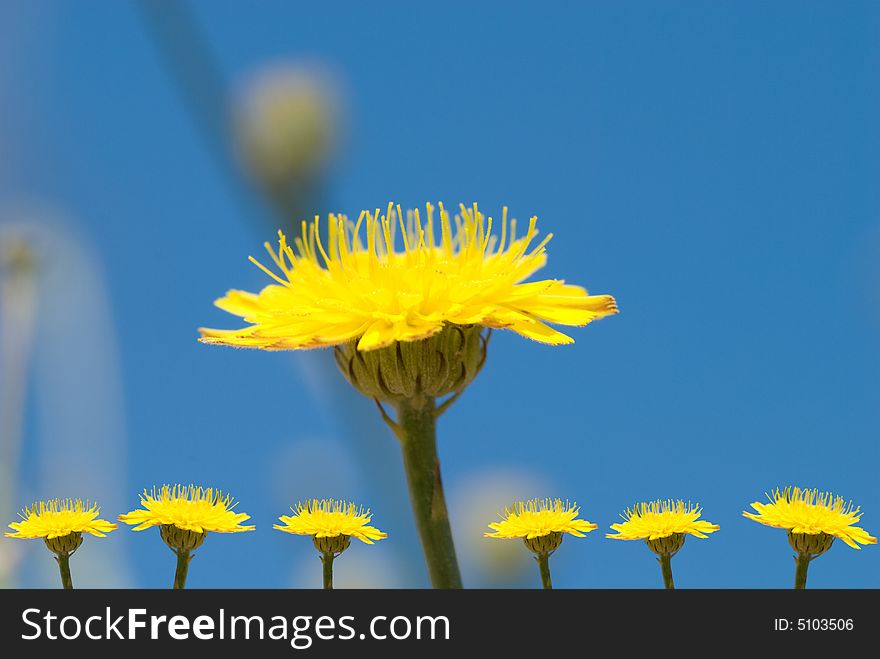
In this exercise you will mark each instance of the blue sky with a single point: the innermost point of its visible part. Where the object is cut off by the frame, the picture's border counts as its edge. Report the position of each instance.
(714, 167)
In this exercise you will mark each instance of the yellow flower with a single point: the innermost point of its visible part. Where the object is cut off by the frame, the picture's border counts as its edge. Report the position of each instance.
(57, 518)
(189, 508)
(539, 517)
(327, 296)
(326, 518)
(661, 519)
(809, 512)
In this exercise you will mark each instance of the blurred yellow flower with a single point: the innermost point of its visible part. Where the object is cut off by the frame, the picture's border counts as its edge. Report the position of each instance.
(326, 518)
(327, 296)
(540, 517)
(660, 519)
(189, 508)
(57, 518)
(810, 512)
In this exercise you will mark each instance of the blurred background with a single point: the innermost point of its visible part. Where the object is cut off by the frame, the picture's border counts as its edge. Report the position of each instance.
(713, 167)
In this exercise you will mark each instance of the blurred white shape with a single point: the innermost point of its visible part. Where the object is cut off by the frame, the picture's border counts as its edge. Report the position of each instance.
(10, 555)
(286, 118)
(319, 468)
(29, 33)
(18, 307)
(78, 437)
(476, 501)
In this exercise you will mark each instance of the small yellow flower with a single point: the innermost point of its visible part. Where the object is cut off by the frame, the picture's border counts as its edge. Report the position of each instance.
(57, 518)
(541, 523)
(539, 517)
(188, 508)
(810, 512)
(660, 519)
(327, 518)
(663, 525)
(185, 515)
(61, 524)
(375, 295)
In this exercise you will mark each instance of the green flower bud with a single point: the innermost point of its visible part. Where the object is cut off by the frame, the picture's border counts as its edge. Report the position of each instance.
(65, 545)
(667, 546)
(333, 545)
(442, 364)
(544, 545)
(181, 540)
(811, 544)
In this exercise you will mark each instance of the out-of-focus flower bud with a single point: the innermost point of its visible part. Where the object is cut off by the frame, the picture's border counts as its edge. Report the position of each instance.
(286, 124)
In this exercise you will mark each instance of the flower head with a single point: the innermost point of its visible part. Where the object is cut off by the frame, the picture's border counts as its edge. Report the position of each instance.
(376, 295)
(58, 518)
(539, 517)
(660, 519)
(189, 508)
(810, 512)
(328, 518)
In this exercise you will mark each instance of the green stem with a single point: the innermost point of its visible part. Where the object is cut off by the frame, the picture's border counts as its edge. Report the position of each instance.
(544, 566)
(327, 560)
(417, 431)
(183, 559)
(64, 566)
(666, 569)
(802, 561)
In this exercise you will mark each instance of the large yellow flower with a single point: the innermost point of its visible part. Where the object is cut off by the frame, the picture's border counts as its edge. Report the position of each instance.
(540, 517)
(326, 518)
(57, 518)
(660, 519)
(810, 512)
(189, 508)
(327, 296)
